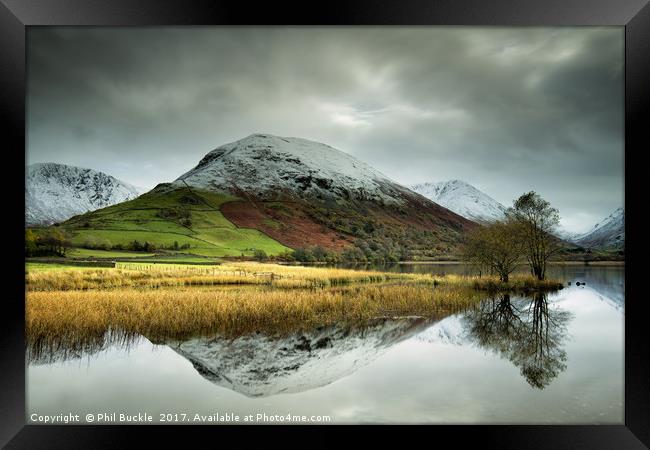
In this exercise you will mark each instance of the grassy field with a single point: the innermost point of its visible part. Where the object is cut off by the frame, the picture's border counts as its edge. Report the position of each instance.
(71, 304)
(168, 218)
(34, 267)
(83, 253)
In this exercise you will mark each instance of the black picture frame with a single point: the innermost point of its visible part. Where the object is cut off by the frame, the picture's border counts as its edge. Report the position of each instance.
(634, 15)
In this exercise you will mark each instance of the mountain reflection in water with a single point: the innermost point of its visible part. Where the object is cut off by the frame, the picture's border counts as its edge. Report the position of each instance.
(538, 359)
(525, 331)
(258, 365)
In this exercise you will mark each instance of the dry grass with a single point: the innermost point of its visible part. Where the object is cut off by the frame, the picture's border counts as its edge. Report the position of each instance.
(191, 311)
(162, 301)
(161, 275)
(139, 275)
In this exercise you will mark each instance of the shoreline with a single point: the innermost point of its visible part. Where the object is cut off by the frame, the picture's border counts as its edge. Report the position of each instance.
(552, 263)
(106, 262)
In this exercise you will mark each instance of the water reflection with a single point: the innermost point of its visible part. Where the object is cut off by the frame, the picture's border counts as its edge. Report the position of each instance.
(528, 332)
(507, 360)
(260, 366)
(606, 281)
(525, 331)
(41, 351)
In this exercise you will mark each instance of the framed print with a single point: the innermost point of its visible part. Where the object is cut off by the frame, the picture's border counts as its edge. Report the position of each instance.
(379, 218)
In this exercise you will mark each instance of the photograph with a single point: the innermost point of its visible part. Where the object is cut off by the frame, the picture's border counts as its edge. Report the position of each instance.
(325, 225)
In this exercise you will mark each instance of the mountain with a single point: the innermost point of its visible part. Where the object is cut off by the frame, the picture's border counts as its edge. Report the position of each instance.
(303, 193)
(56, 192)
(270, 167)
(609, 233)
(565, 235)
(463, 199)
(273, 193)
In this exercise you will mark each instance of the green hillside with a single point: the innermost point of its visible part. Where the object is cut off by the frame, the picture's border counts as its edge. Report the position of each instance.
(172, 220)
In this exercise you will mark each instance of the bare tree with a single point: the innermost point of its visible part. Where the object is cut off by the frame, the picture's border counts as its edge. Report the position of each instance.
(496, 247)
(537, 220)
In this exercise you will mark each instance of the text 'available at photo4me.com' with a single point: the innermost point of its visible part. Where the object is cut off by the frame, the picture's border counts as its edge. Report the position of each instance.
(173, 417)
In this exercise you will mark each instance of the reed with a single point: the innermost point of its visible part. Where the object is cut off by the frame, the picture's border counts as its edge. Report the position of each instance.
(192, 311)
(162, 301)
(162, 275)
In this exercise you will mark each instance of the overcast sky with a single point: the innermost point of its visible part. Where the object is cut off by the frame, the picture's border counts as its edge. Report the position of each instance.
(506, 109)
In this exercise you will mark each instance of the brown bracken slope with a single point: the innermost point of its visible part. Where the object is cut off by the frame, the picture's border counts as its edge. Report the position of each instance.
(300, 224)
(289, 225)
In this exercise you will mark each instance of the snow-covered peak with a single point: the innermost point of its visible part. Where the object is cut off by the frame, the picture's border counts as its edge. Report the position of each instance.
(569, 236)
(267, 166)
(608, 233)
(614, 219)
(463, 199)
(56, 192)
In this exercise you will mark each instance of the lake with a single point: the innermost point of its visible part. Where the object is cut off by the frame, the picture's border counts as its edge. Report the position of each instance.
(547, 359)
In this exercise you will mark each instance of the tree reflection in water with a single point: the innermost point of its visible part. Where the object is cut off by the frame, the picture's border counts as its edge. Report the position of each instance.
(525, 331)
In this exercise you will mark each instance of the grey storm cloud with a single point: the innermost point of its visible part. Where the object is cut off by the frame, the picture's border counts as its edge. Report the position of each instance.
(506, 109)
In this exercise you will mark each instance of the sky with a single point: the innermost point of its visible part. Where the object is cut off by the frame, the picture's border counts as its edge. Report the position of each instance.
(508, 110)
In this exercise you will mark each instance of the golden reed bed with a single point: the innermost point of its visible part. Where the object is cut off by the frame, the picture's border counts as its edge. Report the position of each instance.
(182, 301)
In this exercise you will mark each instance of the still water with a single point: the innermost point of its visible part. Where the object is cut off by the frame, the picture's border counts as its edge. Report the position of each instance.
(555, 358)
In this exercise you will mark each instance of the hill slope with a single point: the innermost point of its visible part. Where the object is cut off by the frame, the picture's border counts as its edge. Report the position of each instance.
(56, 192)
(174, 219)
(463, 199)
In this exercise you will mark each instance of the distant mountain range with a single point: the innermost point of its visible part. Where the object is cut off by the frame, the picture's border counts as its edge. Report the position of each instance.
(608, 233)
(274, 193)
(57, 192)
(471, 203)
(463, 199)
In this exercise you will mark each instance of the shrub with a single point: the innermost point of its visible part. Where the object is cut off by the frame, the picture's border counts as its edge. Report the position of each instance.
(260, 255)
(303, 255)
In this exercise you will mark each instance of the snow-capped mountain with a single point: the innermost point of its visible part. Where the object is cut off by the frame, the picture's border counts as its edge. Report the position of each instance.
(566, 235)
(267, 166)
(260, 366)
(56, 192)
(305, 194)
(463, 199)
(608, 233)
